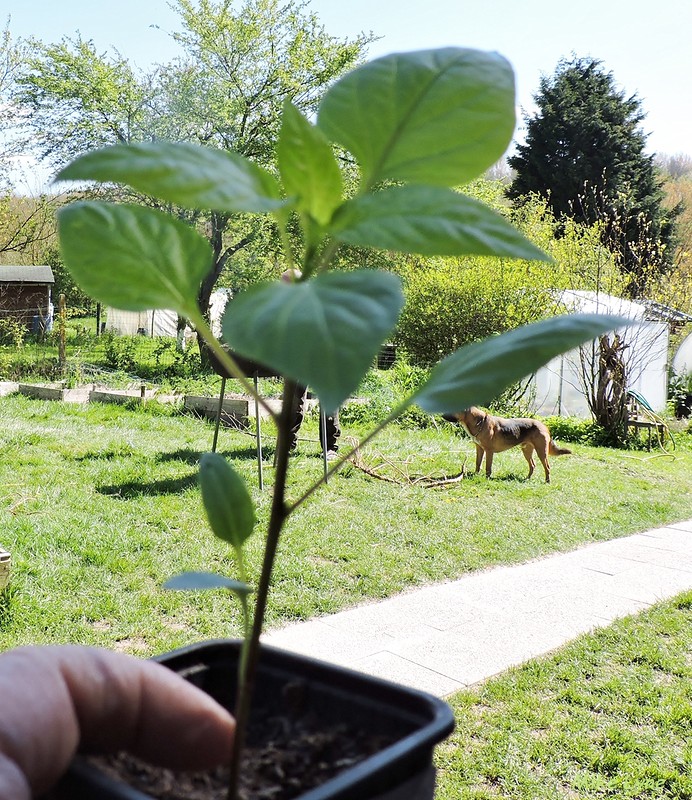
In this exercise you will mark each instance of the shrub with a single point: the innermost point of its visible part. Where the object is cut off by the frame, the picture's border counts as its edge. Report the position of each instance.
(120, 352)
(585, 431)
(17, 366)
(12, 333)
(679, 385)
(381, 391)
(170, 362)
(449, 305)
(454, 301)
(384, 390)
(573, 429)
(79, 335)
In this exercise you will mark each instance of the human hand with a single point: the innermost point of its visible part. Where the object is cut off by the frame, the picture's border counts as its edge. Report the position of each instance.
(58, 699)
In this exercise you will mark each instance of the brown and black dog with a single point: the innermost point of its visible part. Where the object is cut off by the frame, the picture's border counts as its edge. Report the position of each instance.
(494, 434)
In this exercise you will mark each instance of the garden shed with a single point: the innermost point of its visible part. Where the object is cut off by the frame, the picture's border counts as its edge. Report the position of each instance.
(25, 295)
(162, 322)
(152, 322)
(559, 386)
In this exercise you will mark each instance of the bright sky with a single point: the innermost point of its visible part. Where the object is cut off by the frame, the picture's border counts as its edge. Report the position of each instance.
(645, 44)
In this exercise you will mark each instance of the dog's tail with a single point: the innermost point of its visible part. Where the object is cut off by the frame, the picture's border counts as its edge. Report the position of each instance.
(554, 450)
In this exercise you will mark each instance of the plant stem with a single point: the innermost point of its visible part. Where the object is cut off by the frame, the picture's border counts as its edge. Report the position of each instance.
(242, 666)
(278, 515)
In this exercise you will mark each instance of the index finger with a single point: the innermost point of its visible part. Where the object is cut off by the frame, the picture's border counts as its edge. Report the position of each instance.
(63, 698)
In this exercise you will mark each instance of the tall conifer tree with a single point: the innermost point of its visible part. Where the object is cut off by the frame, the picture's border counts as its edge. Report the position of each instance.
(585, 153)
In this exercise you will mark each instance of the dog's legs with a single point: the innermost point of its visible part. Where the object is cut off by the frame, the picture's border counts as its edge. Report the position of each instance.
(479, 457)
(542, 453)
(488, 463)
(546, 467)
(527, 450)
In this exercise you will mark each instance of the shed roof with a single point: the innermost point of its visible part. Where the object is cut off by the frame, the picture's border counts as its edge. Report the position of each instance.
(661, 311)
(26, 274)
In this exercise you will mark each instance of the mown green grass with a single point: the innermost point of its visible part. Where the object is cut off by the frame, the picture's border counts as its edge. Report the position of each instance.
(99, 505)
(609, 715)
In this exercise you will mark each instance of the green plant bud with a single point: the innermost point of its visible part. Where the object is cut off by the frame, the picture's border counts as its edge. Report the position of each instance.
(228, 504)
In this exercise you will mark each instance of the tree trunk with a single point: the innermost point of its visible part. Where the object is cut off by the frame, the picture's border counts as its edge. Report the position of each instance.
(221, 257)
(608, 400)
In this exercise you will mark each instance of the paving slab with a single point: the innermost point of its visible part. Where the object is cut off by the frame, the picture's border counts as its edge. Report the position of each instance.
(396, 668)
(685, 525)
(448, 636)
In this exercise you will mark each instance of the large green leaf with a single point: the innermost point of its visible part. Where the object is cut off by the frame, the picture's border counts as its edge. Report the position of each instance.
(187, 581)
(308, 167)
(324, 332)
(229, 507)
(429, 220)
(433, 116)
(133, 257)
(184, 174)
(477, 373)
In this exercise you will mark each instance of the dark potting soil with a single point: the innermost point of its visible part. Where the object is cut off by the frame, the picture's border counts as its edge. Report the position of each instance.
(285, 757)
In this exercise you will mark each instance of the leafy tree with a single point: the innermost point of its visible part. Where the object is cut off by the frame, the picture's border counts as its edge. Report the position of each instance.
(27, 227)
(77, 99)
(11, 58)
(454, 301)
(676, 287)
(584, 153)
(226, 90)
(77, 301)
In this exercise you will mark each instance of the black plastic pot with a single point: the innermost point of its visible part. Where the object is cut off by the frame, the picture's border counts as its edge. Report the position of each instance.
(414, 722)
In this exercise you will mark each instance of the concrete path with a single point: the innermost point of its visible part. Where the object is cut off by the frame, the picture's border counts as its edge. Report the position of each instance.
(445, 637)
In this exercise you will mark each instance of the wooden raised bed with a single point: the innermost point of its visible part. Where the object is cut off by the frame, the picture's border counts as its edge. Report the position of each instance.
(5, 562)
(44, 391)
(120, 396)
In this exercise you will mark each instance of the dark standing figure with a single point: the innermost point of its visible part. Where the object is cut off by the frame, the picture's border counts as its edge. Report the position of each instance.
(329, 437)
(332, 429)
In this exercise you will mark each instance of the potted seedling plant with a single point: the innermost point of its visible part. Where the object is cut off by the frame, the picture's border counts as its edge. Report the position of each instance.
(418, 125)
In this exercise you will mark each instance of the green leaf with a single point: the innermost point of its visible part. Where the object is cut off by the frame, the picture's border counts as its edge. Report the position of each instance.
(132, 257)
(229, 507)
(429, 220)
(184, 174)
(323, 333)
(477, 373)
(308, 167)
(434, 116)
(206, 580)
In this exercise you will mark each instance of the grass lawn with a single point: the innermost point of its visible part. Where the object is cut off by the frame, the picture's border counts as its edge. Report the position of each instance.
(608, 715)
(99, 505)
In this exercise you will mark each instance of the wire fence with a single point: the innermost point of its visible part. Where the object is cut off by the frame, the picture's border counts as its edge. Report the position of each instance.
(83, 355)
(80, 350)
